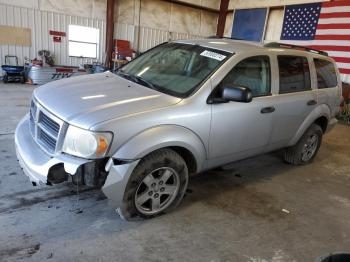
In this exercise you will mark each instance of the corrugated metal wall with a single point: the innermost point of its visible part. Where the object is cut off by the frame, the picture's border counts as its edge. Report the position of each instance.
(41, 22)
(149, 37)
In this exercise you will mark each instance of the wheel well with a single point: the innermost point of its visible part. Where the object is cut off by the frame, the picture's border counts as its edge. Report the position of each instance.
(187, 156)
(322, 122)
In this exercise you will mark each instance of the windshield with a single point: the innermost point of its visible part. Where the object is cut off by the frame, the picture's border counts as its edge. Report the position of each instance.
(174, 68)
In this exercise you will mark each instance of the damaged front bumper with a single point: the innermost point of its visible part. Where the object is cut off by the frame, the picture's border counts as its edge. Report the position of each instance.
(117, 180)
(36, 164)
(34, 161)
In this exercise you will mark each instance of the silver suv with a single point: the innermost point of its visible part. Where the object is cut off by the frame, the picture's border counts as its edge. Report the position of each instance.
(180, 108)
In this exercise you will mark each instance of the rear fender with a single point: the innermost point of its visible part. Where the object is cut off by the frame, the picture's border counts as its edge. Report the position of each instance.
(321, 110)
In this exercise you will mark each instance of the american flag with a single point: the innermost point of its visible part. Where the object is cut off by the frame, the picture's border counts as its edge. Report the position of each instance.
(324, 26)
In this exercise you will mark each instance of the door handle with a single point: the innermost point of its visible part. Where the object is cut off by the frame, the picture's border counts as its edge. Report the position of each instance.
(266, 110)
(311, 102)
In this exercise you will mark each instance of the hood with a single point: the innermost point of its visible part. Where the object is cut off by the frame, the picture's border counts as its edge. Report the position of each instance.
(87, 100)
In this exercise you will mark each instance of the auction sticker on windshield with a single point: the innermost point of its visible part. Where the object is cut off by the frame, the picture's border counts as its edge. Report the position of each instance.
(213, 55)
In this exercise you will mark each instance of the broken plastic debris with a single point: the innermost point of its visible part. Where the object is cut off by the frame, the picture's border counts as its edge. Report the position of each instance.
(285, 211)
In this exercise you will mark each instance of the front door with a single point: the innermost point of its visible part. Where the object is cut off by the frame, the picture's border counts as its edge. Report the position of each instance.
(239, 130)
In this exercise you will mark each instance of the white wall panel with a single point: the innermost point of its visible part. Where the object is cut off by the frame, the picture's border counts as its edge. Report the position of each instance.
(125, 32)
(149, 37)
(274, 24)
(22, 3)
(40, 23)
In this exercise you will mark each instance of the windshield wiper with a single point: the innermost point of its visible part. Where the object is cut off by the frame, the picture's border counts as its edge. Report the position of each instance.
(139, 80)
(146, 82)
(125, 75)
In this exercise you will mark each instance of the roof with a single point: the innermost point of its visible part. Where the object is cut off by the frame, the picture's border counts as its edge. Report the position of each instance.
(225, 44)
(237, 46)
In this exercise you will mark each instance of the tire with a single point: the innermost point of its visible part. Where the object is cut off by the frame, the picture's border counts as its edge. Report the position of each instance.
(307, 147)
(161, 171)
(5, 79)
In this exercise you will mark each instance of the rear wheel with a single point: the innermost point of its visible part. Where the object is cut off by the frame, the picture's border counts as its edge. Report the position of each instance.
(307, 147)
(156, 186)
(5, 79)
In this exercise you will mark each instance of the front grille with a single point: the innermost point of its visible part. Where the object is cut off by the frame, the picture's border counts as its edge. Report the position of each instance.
(47, 141)
(44, 127)
(49, 124)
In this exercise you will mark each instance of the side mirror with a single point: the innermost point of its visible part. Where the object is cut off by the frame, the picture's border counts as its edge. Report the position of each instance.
(237, 94)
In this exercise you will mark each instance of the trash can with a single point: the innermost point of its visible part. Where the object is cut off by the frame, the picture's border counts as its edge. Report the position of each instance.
(338, 257)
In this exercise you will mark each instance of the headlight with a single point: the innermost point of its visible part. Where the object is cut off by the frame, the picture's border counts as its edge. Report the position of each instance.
(87, 144)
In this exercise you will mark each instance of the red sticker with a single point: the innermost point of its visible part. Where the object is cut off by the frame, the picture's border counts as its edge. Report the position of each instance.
(57, 39)
(57, 33)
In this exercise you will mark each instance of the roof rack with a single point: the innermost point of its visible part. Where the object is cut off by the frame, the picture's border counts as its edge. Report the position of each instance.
(297, 47)
(224, 37)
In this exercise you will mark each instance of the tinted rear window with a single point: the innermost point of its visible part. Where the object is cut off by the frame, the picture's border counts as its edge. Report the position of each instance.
(294, 74)
(326, 75)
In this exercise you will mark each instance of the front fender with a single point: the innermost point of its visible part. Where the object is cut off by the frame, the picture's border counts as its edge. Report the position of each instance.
(319, 111)
(163, 136)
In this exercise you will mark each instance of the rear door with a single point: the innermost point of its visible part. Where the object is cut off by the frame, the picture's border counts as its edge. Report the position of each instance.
(295, 100)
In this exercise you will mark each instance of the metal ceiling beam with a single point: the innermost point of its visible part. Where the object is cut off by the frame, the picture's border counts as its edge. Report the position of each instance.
(195, 6)
(222, 18)
(109, 31)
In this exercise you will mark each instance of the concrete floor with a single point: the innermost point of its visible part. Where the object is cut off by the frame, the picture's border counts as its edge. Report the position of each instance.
(232, 215)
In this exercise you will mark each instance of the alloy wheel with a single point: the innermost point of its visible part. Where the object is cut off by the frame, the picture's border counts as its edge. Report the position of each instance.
(309, 148)
(157, 191)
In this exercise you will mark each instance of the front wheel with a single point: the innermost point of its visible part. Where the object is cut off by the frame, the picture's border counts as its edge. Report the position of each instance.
(307, 147)
(156, 186)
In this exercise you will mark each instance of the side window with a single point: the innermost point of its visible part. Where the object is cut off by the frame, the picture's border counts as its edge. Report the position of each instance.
(326, 75)
(253, 72)
(294, 74)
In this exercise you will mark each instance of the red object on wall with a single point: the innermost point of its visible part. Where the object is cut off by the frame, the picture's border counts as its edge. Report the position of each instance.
(57, 33)
(57, 39)
(122, 44)
(122, 49)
